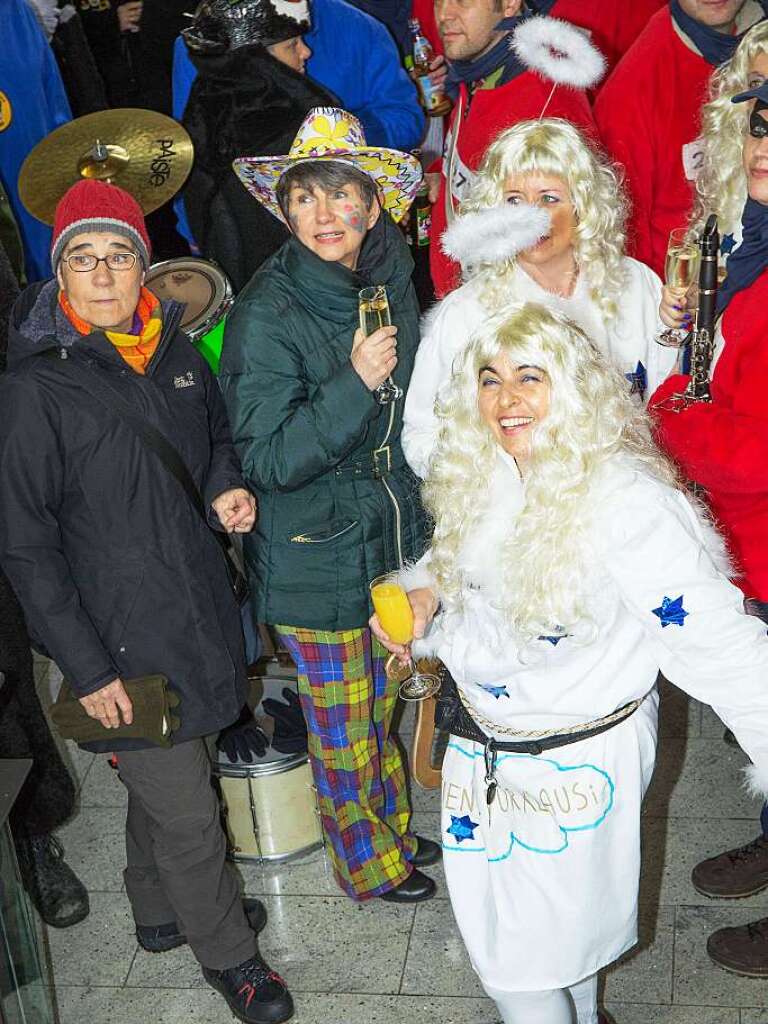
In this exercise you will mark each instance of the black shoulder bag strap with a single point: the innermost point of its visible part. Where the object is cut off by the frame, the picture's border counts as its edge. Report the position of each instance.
(157, 442)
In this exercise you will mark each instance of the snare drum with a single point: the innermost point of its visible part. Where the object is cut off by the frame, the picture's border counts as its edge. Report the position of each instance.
(207, 294)
(270, 808)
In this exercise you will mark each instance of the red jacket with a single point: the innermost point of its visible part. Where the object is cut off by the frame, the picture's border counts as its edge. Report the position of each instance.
(724, 445)
(489, 112)
(647, 113)
(613, 25)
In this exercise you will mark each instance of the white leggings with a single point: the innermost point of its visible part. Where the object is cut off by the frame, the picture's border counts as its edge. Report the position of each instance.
(553, 1006)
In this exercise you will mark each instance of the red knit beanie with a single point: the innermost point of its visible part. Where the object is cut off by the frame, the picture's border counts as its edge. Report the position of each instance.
(99, 206)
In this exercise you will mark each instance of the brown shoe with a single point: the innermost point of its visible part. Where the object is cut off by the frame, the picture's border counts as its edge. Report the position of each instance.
(742, 950)
(603, 1018)
(734, 874)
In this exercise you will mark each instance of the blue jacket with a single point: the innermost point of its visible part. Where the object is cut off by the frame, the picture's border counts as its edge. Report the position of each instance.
(355, 57)
(32, 104)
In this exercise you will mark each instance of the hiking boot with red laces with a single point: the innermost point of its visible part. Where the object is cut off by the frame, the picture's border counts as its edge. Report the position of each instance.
(254, 993)
(742, 950)
(734, 874)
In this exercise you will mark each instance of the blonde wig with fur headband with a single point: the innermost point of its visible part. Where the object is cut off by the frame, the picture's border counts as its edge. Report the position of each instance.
(553, 147)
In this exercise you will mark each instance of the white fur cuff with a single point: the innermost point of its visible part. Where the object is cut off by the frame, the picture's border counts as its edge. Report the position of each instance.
(494, 235)
(559, 51)
(416, 575)
(756, 780)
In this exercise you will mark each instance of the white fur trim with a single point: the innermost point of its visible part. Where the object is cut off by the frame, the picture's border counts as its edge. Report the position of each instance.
(416, 575)
(296, 9)
(756, 780)
(558, 51)
(495, 235)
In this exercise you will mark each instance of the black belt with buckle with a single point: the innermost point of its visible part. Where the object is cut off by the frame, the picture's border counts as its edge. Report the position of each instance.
(373, 465)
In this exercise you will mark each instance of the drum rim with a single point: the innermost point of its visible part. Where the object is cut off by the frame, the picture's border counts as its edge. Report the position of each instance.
(256, 770)
(198, 328)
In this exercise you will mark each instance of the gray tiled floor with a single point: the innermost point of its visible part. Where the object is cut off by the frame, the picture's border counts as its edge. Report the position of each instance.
(377, 963)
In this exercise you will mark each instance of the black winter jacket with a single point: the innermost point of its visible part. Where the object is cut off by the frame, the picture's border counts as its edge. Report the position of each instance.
(115, 570)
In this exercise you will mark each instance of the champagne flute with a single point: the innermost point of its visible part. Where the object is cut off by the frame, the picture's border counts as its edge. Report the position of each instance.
(374, 313)
(396, 617)
(681, 271)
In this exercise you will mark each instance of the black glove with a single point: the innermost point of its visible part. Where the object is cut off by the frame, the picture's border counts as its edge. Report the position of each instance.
(290, 735)
(244, 739)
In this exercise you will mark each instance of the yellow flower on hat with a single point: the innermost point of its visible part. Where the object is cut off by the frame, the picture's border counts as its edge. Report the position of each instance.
(325, 135)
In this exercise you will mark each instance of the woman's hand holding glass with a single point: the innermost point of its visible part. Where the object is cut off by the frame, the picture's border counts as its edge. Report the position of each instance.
(374, 357)
(423, 606)
(399, 619)
(681, 272)
(673, 309)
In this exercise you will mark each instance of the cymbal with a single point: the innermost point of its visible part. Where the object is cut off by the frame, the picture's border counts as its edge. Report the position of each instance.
(146, 153)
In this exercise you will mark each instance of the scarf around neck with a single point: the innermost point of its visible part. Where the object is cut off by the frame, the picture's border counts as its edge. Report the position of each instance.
(746, 264)
(501, 55)
(715, 47)
(138, 347)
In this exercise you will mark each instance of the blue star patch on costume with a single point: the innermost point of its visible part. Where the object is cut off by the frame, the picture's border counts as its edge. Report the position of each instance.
(495, 691)
(727, 244)
(462, 828)
(638, 380)
(671, 612)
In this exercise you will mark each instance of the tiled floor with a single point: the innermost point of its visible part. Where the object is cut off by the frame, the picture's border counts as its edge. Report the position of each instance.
(377, 963)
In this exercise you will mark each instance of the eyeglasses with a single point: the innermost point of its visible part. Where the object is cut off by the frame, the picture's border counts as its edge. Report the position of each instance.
(82, 262)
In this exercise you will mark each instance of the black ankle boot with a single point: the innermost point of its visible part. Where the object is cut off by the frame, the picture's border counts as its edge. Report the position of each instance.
(254, 993)
(59, 895)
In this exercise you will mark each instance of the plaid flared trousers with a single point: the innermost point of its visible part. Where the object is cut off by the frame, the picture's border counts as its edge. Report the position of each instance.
(359, 774)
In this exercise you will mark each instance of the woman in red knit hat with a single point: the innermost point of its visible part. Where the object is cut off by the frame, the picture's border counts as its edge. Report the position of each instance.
(120, 574)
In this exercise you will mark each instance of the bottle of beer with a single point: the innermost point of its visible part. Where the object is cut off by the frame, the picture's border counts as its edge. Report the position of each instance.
(420, 219)
(434, 101)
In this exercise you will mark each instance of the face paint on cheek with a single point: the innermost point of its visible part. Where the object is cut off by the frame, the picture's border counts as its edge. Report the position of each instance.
(353, 218)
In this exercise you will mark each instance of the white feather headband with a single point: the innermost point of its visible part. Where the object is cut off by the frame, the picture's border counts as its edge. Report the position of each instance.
(494, 235)
(558, 51)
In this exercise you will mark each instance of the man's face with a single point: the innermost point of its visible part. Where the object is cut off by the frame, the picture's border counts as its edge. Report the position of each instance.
(718, 14)
(468, 27)
(104, 298)
(332, 224)
(755, 156)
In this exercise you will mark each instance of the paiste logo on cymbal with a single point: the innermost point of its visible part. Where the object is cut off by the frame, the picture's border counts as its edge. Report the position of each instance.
(6, 112)
(162, 164)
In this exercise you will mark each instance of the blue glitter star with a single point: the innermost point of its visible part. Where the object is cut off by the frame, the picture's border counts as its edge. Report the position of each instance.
(727, 244)
(671, 612)
(462, 828)
(638, 380)
(495, 691)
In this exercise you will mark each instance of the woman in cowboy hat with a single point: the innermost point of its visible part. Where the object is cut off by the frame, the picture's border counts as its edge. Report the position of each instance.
(251, 95)
(320, 445)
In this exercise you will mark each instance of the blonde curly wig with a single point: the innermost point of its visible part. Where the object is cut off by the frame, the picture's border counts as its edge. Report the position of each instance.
(721, 186)
(591, 420)
(556, 147)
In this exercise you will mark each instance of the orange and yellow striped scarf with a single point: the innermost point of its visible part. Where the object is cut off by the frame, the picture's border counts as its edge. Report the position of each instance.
(136, 349)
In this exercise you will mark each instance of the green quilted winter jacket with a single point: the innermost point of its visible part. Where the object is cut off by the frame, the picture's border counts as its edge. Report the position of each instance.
(337, 503)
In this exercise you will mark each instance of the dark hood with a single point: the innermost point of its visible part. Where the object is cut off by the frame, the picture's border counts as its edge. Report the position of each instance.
(331, 290)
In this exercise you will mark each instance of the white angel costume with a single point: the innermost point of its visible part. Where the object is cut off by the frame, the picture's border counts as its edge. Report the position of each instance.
(627, 339)
(544, 882)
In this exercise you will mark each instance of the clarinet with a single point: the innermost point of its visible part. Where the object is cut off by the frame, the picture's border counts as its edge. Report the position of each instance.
(703, 337)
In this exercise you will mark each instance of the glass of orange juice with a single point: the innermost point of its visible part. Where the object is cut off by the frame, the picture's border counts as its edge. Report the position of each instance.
(395, 614)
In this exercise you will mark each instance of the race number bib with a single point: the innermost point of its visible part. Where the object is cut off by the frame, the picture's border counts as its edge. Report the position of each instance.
(456, 172)
(693, 158)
